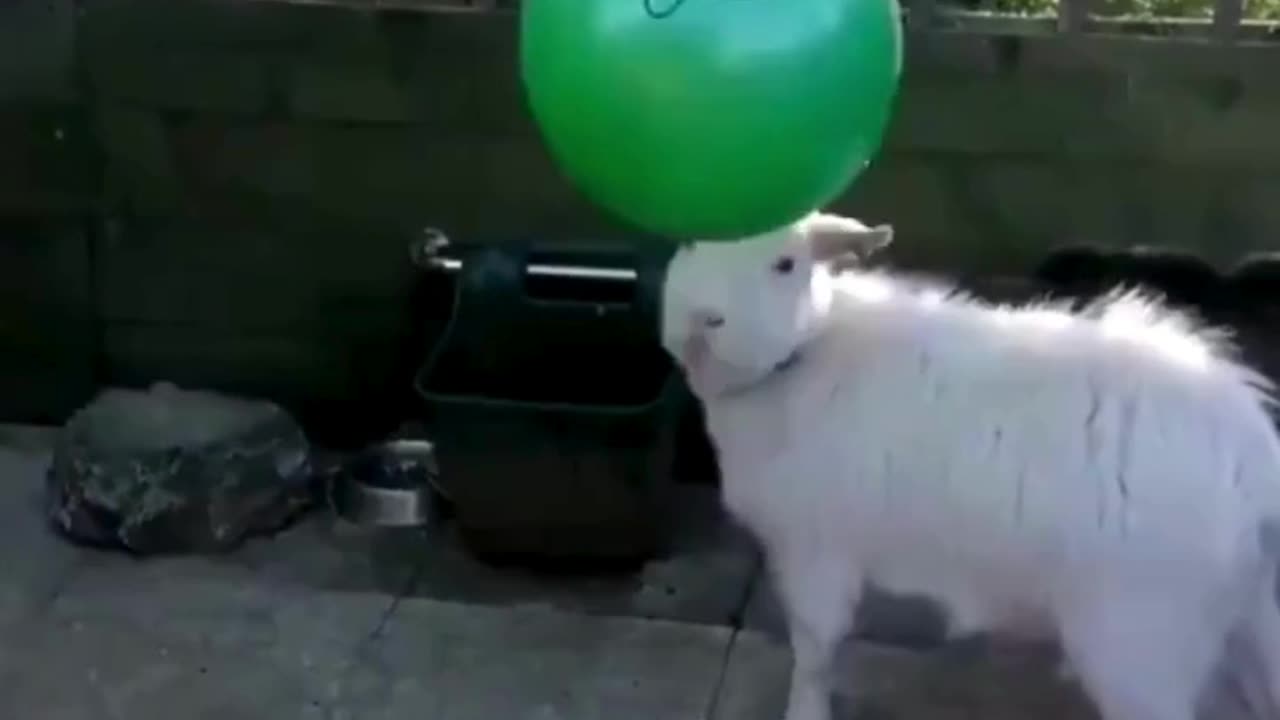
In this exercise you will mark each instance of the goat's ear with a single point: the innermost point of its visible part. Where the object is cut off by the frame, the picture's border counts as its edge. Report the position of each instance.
(844, 241)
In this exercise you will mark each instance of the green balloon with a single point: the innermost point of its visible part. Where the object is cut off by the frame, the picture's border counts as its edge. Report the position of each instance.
(711, 119)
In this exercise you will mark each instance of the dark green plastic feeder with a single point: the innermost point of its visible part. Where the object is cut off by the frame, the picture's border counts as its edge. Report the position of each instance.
(553, 409)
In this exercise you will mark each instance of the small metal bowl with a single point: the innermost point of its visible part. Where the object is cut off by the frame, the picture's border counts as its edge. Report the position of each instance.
(387, 485)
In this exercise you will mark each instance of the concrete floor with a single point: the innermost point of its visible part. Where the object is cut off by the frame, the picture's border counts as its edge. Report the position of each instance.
(333, 622)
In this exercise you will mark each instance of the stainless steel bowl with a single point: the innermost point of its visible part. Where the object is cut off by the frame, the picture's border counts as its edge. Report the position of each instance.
(388, 485)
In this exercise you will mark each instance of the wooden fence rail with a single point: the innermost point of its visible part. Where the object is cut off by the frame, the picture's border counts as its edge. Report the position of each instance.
(1073, 17)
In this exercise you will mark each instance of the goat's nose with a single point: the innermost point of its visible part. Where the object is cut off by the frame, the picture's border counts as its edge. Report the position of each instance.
(710, 319)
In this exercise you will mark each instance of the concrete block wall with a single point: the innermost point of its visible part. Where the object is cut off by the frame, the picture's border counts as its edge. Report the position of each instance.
(48, 191)
(221, 192)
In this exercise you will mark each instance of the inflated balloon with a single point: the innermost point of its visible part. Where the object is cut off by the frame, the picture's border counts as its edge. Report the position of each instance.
(711, 119)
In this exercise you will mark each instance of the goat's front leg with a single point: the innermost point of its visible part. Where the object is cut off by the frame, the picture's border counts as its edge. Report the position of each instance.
(819, 598)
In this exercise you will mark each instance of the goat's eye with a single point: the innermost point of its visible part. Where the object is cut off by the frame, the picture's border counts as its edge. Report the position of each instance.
(784, 265)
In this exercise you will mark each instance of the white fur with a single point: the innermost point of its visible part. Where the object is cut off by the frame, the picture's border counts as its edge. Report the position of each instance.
(1103, 476)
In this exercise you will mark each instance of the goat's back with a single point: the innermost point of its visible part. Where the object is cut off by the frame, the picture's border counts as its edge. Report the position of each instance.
(969, 452)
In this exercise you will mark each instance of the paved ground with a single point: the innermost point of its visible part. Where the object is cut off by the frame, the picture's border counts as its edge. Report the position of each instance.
(333, 622)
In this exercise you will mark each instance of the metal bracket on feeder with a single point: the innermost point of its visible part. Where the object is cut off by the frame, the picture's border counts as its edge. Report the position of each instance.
(425, 252)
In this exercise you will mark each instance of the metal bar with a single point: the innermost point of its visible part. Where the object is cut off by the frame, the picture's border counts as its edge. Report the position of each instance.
(1073, 15)
(921, 14)
(417, 6)
(453, 265)
(1227, 15)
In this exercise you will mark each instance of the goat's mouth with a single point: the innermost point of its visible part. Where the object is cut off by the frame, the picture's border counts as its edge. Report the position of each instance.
(694, 353)
(710, 376)
(787, 362)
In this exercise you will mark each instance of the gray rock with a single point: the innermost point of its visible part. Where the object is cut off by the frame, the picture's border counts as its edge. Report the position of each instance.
(170, 470)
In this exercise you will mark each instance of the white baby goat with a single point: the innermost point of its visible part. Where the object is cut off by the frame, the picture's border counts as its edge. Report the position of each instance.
(1109, 476)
